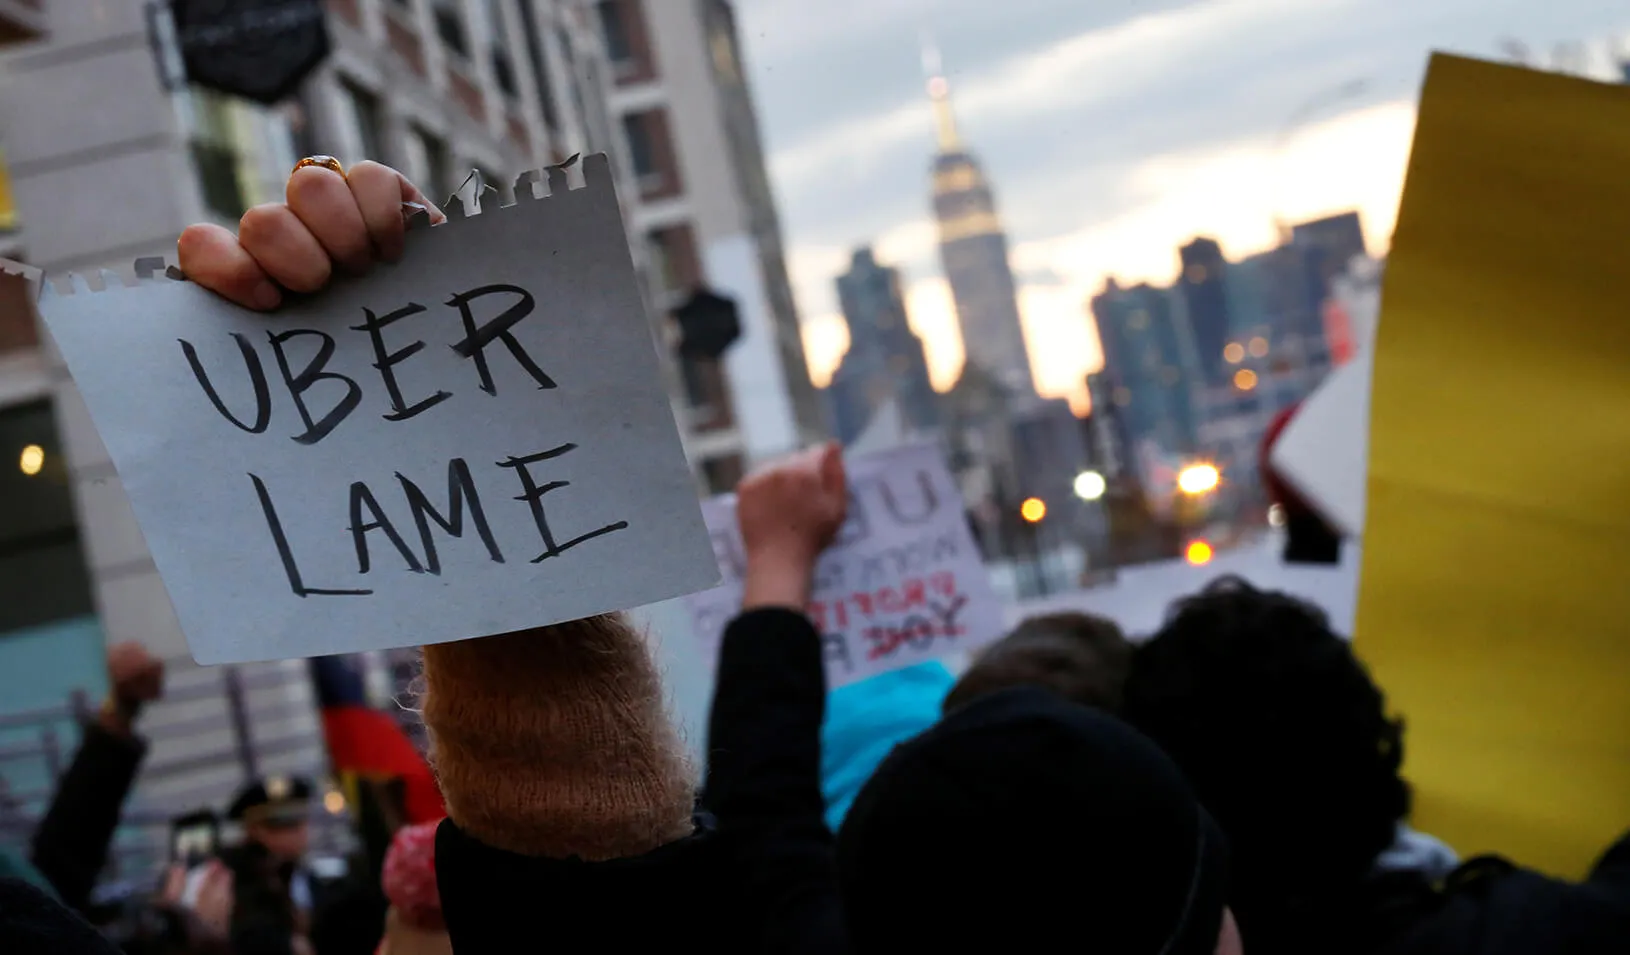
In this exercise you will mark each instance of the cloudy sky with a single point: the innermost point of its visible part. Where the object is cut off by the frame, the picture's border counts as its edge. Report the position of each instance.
(1114, 131)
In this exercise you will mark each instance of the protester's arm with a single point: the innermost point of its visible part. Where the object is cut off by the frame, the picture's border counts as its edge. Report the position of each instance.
(70, 845)
(764, 750)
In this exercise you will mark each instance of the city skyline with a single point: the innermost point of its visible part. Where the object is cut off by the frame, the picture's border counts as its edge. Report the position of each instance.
(1113, 135)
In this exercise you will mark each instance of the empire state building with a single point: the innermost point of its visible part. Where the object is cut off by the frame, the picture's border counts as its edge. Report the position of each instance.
(973, 253)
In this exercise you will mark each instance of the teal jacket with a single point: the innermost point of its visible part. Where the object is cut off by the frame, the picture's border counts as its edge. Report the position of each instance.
(865, 720)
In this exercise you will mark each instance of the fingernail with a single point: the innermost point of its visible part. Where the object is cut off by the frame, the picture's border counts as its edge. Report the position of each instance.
(265, 296)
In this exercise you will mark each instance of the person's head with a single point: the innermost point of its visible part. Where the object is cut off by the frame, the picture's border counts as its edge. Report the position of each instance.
(1080, 657)
(276, 814)
(1021, 820)
(413, 924)
(1284, 737)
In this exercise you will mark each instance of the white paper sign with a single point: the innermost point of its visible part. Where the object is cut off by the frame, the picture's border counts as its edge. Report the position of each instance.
(472, 441)
(1325, 449)
(903, 584)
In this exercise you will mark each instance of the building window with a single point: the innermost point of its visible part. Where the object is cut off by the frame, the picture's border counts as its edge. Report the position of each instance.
(724, 473)
(428, 164)
(614, 27)
(8, 202)
(215, 155)
(503, 67)
(651, 150)
(450, 27)
(17, 329)
(673, 258)
(43, 578)
(539, 55)
(364, 114)
(706, 392)
(622, 24)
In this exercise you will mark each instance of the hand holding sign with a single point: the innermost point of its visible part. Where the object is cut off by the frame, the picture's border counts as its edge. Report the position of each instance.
(788, 513)
(469, 440)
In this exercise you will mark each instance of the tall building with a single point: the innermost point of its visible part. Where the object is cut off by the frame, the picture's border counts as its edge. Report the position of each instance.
(702, 205)
(1285, 337)
(1050, 449)
(1203, 281)
(885, 361)
(1332, 243)
(1150, 364)
(973, 253)
(111, 154)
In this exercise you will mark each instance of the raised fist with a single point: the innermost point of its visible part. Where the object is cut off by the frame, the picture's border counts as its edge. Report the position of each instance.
(789, 512)
(134, 674)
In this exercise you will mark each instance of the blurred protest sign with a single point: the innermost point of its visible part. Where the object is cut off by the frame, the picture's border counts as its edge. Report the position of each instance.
(471, 441)
(1494, 591)
(903, 583)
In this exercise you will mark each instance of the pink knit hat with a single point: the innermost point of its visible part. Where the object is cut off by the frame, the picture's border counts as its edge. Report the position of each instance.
(410, 876)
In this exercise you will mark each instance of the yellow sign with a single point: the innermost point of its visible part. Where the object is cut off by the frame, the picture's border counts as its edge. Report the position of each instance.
(1495, 597)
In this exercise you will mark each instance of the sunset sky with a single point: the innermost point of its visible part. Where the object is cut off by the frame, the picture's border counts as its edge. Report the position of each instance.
(1113, 131)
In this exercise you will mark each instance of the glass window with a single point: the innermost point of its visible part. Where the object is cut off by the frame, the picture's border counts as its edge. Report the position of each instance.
(723, 473)
(614, 27)
(43, 577)
(450, 27)
(427, 164)
(215, 154)
(641, 149)
(365, 117)
(503, 67)
(539, 55)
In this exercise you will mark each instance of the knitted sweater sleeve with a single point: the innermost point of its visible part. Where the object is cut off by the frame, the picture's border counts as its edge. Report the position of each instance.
(555, 742)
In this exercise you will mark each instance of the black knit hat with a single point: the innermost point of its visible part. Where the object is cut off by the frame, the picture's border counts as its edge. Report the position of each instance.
(1025, 823)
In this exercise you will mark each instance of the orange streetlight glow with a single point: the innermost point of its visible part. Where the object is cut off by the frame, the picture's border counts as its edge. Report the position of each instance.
(1245, 379)
(1033, 510)
(1198, 553)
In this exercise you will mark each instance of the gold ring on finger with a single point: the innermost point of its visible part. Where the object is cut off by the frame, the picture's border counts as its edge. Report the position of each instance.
(326, 162)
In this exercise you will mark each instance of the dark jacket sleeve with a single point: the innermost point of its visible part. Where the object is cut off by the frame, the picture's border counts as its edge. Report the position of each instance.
(70, 845)
(764, 781)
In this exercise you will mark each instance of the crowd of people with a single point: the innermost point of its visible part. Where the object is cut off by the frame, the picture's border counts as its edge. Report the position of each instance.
(1231, 784)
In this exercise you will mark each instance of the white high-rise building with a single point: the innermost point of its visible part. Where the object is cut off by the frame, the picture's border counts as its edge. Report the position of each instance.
(703, 207)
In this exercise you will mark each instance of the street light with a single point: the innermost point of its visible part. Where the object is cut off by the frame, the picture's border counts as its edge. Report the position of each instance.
(32, 460)
(1198, 479)
(1198, 553)
(1090, 485)
(1033, 510)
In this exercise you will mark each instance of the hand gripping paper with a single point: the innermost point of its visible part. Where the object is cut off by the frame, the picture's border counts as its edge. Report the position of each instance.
(471, 441)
